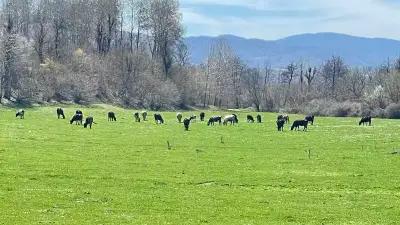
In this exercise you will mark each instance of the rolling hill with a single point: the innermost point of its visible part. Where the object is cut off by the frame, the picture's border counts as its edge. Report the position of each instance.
(311, 48)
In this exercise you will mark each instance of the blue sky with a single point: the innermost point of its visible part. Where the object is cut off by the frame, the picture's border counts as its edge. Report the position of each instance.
(273, 19)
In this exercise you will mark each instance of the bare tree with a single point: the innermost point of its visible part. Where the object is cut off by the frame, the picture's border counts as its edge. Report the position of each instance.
(392, 86)
(289, 74)
(254, 86)
(41, 21)
(166, 31)
(333, 70)
(397, 64)
(9, 46)
(267, 80)
(106, 22)
(182, 54)
(355, 83)
(58, 20)
(310, 76)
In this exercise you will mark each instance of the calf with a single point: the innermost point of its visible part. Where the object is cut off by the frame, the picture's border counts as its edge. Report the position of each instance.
(250, 119)
(60, 113)
(111, 116)
(213, 120)
(179, 117)
(300, 123)
(259, 119)
(280, 124)
(137, 117)
(144, 115)
(88, 122)
(310, 119)
(202, 116)
(20, 113)
(158, 118)
(365, 121)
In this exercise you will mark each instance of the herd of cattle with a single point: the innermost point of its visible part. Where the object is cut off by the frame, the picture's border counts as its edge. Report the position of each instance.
(229, 119)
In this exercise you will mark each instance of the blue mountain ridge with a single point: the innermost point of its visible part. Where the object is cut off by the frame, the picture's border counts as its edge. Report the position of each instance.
(312, 49)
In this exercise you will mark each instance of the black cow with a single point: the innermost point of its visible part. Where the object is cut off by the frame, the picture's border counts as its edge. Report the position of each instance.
(259, 119)
(111, 116)
(213, 120)
(158, 118)
(365, 121)
(232, 119)
(79, 112)
(280, 124)
(137, 117)
(250, 119)
(284, 117)
(60, 113)
(144, 115)
(88, 122)
(310, 119)
(186, 122)
(300, 123)
(202, 116)
(20, 113)
(77, 118)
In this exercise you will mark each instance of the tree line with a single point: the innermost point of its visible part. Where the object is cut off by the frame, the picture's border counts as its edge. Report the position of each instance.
(120, 51)
(132, 53)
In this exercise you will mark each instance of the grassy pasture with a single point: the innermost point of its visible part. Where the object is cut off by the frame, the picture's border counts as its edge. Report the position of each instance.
(123, 173)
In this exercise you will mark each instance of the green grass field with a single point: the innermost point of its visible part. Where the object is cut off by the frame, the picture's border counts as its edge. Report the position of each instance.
(123, 173)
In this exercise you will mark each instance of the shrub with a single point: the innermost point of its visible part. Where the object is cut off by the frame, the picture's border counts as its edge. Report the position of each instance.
(345, 109)
(378, 113)
(333, 108)
(393, 111)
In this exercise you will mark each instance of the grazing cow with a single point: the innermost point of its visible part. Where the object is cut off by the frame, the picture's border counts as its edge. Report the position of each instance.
(88, 122)
(60, 113)
(186, 122)
(310, 119)
(158, 118)
(365, 121)
(179, 117)
(20, 113)
(202, 116)
(137, 117)
(77, 118)
(250, 119)
(300, 123)
(111, 116)
(232, 119)
(280, 123)
(213, 120)
(259, 119)
(144, 115)
(284, 117)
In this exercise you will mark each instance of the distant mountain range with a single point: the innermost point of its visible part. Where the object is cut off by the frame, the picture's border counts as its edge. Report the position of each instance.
(313, 49)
